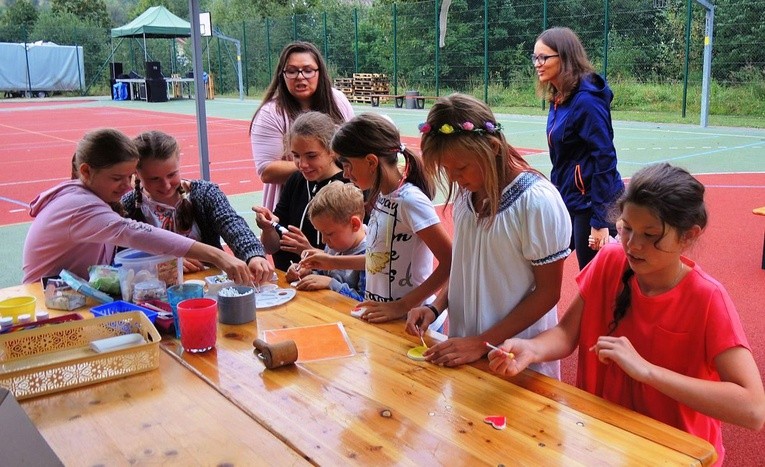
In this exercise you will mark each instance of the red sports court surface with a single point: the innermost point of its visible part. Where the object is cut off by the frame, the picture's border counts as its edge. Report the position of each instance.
(37, 147)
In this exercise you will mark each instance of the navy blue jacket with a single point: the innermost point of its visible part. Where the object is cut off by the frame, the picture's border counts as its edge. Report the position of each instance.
(581, 141)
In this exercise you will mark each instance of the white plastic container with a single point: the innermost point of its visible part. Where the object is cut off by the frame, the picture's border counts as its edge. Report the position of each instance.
(138, 266)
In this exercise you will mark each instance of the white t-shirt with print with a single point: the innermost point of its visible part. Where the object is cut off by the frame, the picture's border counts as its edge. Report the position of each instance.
(397, 260)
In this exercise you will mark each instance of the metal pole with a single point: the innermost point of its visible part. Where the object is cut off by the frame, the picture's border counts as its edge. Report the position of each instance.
(687, 53)
(246, 72)
(268, 47)
(437, 35)
(395, 49)
(29, 76)
(220, 66)
(326, 36)
(544, 27)
(199, 95)
(605, 40)
(486, 51)
(707, 72)
(356, 40)
(79, 75)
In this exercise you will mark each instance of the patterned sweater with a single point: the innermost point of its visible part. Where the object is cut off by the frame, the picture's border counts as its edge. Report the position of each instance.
(216, 218)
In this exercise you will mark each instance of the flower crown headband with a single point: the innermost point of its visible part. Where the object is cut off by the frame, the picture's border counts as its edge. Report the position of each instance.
(466, 127)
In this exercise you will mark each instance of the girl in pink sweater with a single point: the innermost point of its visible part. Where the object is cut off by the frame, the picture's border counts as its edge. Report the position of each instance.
(76, 225)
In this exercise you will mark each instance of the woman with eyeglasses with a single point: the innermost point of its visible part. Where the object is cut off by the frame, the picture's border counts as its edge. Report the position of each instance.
(580, 137)
(301, 83)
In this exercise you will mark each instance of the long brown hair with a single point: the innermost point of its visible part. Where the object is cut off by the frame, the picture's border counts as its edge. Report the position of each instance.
(574, 64)
(157, 145)
(101, 149)
(277, 91)
(496, 157)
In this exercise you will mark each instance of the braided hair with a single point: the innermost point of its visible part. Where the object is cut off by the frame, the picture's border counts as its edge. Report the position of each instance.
(675, 197)
(157, 145)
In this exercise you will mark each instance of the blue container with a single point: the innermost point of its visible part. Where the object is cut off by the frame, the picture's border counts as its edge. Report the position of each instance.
(119, 306)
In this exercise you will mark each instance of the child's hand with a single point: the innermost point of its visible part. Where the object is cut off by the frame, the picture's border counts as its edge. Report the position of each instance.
(315, 259)
(506, 365)
(293, 272)
(456, 351)
(418, 319)
(314, 282)
(261, 269)
(264, 217)
(380, 312)
(294, 241)
(619, 350)
(191, 265)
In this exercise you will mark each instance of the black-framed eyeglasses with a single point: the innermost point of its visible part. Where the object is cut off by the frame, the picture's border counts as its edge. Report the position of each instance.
(307, 73)
(541, 58)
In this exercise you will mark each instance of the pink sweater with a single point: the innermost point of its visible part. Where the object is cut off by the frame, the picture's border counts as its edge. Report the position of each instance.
(267, 139)
(74, 229)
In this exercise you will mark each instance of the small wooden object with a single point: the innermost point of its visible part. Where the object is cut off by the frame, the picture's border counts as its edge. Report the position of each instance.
(276, 355)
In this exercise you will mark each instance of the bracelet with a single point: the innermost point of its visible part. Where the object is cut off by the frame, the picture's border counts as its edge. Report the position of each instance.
(433, 309)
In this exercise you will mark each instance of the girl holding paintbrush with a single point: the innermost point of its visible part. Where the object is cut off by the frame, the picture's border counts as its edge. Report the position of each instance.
(511, 236)
(655, 333)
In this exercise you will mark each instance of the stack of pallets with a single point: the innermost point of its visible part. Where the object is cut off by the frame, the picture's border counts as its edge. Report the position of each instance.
(365, 85)
(345, 85)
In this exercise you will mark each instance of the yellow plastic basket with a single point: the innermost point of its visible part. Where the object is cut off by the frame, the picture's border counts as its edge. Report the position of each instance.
(53, 358)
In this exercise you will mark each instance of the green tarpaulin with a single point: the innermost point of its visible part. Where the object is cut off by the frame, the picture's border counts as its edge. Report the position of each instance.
(156, 22)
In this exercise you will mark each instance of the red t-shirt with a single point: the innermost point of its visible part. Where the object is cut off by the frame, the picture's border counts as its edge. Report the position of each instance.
(683, 330)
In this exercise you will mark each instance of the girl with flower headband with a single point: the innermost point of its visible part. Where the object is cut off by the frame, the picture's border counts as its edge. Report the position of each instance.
(196, 209)
(511, 235)
(404, 229)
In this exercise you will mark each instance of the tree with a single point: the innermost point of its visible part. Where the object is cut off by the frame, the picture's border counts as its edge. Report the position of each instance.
(17, 20)
(92, 11)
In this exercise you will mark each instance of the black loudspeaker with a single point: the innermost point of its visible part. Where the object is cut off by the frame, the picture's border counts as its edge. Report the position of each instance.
(156, 90)
(153, 70)
(115, 70)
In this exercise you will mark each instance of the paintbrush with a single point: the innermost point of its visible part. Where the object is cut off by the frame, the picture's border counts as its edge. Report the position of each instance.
(509, 354)
(419, 333)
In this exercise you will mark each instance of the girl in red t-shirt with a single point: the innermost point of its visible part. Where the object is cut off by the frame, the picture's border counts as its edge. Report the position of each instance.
(655, 333)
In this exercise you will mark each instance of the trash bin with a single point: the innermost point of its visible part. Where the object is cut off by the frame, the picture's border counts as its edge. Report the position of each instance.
(411, 102)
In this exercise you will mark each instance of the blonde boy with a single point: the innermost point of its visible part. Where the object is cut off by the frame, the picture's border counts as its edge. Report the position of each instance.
(337, 212)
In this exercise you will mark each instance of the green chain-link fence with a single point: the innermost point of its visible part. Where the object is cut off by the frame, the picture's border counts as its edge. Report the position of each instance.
(485, 50)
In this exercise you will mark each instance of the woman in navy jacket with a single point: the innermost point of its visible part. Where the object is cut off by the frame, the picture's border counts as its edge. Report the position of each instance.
(580, 137)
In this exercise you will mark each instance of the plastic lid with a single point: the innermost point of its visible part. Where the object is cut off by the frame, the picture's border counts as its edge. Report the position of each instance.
(6, 321)
(81, 285)
(25, 318)
(41, 315)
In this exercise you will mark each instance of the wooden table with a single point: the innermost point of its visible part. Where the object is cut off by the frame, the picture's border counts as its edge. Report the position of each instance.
(334, 411)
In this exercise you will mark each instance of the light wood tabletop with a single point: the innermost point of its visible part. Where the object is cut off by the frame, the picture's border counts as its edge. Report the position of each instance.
(167, 416)
(380, 407)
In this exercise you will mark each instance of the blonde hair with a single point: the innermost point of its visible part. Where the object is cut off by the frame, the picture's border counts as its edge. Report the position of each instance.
(340, 201)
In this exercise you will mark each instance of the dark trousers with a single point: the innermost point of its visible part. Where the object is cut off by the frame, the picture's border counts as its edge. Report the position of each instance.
(580, 234)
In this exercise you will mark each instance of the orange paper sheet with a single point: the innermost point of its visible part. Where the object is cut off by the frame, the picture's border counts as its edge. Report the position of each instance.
(320, 342)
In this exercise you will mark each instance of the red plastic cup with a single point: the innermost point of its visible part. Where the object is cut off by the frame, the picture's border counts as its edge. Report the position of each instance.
(198, 322)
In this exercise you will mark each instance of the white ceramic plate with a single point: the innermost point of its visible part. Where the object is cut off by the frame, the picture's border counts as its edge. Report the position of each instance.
(271, 296)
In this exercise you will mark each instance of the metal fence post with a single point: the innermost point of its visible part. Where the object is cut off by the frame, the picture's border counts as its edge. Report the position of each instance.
(355, 40)
(244, 60)
(486, 51)
(687, 54)
(605, 39)
(436, 53)
(395, 49)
